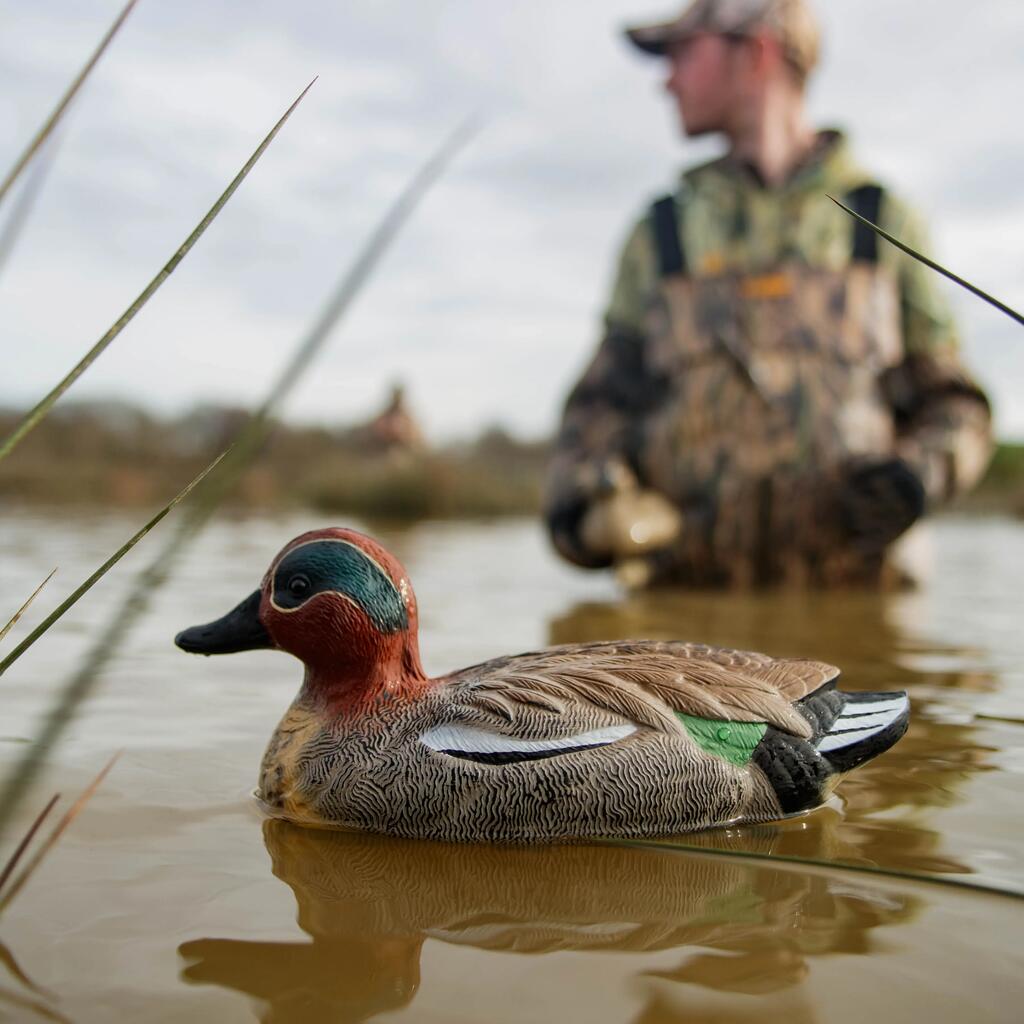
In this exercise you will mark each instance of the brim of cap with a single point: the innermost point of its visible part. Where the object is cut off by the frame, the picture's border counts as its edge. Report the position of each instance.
(656, 39)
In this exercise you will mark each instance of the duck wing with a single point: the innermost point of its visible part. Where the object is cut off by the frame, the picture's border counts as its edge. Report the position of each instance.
(648, 683)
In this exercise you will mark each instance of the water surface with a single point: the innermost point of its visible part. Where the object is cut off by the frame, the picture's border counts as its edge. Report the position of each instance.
(172, 898)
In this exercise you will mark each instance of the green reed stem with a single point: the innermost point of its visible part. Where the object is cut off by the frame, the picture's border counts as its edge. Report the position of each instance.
(24, 203)
(82, 589)
(256, 431)
(51, 122)
(974, 289)
(43, 407)
(136, 603)
(810, 862)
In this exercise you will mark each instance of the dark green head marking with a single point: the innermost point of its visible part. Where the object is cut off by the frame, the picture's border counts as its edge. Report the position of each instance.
(336, 566)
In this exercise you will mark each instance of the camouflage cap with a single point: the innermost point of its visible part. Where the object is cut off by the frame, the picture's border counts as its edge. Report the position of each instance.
(791, 21)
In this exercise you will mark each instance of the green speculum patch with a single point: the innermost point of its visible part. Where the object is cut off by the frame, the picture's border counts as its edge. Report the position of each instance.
(734, 741)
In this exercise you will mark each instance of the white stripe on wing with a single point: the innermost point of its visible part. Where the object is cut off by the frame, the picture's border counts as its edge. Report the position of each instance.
(478, 741)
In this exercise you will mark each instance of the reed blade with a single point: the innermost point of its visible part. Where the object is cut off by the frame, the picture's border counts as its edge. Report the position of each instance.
(53, 838)
(51, 122)
(24, 204)
(366, 261)
(27, 838)
(45, 404)
(83, 588)
(136, 603)
(784, 860)
(258, 428)
(974, 289)
(25, 607)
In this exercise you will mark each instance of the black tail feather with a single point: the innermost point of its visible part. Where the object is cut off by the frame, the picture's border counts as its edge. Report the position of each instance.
(847, 730)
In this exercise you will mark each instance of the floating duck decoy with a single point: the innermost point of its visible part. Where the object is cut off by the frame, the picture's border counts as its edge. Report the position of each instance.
(617, 739)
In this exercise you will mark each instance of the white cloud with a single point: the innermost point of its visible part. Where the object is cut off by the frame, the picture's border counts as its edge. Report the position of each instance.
(489, 303)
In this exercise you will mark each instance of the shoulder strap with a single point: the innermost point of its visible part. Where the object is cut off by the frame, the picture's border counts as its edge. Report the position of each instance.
(667, 242)
(867, 201)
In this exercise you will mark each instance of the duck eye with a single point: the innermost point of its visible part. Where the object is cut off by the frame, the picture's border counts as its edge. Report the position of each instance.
(299, 585)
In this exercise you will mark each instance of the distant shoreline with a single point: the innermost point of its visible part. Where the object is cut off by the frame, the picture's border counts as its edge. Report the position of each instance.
(118, 456)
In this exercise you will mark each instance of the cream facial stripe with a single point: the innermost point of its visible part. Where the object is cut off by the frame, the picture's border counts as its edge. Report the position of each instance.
(330, 565)
(329, 540)
(471, 744)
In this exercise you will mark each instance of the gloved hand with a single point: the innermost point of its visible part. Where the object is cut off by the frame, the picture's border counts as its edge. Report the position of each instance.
(879, 500)
(626, 521)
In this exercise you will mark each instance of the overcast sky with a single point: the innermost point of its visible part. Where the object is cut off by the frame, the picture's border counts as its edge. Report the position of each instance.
(490, 302)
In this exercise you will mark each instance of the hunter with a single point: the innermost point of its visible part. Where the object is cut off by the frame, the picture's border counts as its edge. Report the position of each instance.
(778, 395)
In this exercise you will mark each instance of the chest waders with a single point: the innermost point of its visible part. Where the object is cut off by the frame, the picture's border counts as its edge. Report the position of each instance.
(774, 394)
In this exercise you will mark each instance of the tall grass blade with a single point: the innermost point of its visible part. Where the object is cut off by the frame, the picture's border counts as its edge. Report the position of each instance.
(82, 589)
(52, 839)
(136, 603)
(974, 289)
(51, 122)
(27, 838)
(25, 607)
(45, 404)
(24, 204)
(812, 863)
(258, 428)
(366, 262)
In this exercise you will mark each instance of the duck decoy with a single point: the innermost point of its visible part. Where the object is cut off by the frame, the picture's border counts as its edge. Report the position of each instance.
(582, 741)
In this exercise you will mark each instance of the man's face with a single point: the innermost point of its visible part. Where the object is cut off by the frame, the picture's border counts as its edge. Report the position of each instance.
(703, 81)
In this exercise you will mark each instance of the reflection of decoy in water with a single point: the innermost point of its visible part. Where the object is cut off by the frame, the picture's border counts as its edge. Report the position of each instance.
(369, 902)
(330, 980)
(600, 740)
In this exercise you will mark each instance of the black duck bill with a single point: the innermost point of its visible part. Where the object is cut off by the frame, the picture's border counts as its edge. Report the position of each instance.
(239, 630)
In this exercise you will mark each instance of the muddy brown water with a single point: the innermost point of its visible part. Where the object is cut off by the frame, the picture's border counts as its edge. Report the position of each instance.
(173, 899)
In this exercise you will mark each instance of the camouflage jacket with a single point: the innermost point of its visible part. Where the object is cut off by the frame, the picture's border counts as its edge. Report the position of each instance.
(771, 378)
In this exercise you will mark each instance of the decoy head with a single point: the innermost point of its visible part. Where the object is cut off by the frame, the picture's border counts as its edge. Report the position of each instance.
(340, 603)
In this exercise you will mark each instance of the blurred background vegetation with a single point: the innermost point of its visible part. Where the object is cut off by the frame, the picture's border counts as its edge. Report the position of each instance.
(118, 454)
